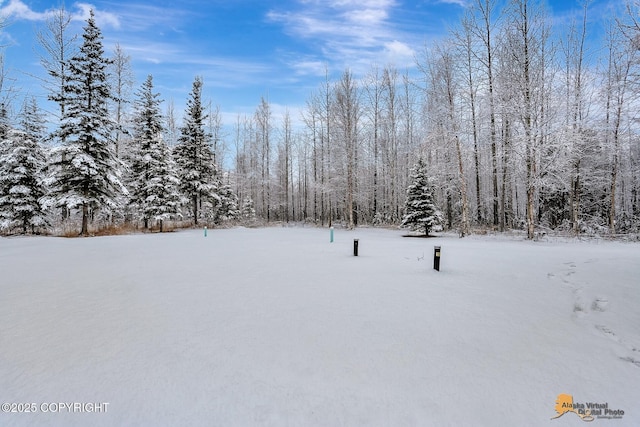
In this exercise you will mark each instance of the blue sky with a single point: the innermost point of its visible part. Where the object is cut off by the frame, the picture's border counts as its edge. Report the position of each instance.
(245, 49)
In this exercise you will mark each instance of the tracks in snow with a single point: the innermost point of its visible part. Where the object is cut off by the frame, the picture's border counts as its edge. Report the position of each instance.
(589, 309)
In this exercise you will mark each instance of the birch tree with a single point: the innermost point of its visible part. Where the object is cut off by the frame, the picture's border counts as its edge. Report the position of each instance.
(122, 84)
(444, 89)
(372, 92)
(526, 50)
(391, 102)
(467, 45)
(58, 47)
(264, 130)
(482, 27)
(311, 118)
(621, 58)
(347, 107)
(574, 50)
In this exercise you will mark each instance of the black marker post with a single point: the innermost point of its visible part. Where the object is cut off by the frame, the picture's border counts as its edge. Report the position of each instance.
(436, 258)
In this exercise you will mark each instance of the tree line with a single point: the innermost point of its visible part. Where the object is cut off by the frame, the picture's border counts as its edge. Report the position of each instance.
(101, 167)
(518, 126)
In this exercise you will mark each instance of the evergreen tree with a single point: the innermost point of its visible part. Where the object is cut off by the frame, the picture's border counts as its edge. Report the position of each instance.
(32, 121)
(86, 173)
(421, 210)
(248, 211)
(4, 122)
(21, 183)
(194, 157)
(227, 208)
(163, 198)
(153, 182)
(4, 130)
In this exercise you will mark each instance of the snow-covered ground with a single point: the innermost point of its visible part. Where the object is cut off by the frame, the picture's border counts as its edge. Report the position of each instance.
(279, 327)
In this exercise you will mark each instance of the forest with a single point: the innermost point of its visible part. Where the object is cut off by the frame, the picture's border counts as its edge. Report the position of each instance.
(520, 125)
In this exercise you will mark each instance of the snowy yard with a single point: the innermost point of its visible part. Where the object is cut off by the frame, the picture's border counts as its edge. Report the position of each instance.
(279, 327)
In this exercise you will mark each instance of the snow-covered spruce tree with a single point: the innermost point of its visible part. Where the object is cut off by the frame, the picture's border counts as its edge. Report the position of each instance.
(153, 182)
(421, 210)
(248, 212)
(21, 183)
(227, 208)
(194, 157)
(163, 200)
(4, 129)
(32, 121)
(4, 121)
(85, 171)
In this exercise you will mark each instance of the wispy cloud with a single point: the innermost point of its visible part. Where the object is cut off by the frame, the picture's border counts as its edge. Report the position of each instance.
(18, 10)
(461, 3)
(398, 52)
(103, 18)
(344, 33)
(337, 20)
(172, 63)
(308, 66)
(160, 41)
(142, 17)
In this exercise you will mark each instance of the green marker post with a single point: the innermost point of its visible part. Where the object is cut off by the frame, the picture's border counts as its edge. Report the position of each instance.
(205, 231)
(331, 235)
